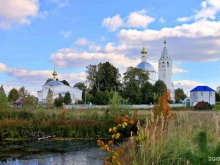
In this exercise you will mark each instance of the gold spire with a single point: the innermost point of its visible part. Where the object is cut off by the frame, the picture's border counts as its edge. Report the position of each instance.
(165, 41)
(54, 74)
(144, 51)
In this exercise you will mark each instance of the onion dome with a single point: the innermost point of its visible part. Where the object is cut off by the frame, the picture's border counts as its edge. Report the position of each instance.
(144, 65)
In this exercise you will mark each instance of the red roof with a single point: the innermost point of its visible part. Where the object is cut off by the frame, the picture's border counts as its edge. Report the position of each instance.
(19, 101)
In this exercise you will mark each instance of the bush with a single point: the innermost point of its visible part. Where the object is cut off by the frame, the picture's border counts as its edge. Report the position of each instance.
(101, 98)
(58, 102)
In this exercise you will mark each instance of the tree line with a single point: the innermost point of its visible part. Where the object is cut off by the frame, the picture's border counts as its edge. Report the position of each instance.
(14, 94)
(104, 79)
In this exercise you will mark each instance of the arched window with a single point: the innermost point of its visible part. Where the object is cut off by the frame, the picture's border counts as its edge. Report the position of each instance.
(163, 64)
(159, 64)
(167, 64)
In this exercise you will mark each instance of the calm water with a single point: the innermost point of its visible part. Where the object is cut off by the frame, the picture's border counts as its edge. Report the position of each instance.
(51, 153)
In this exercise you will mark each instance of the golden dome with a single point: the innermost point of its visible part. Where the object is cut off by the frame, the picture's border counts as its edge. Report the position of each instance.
(54, 74)
(144, 51)
(165, 41)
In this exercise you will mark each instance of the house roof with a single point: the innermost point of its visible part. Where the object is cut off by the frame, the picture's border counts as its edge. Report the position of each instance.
(203, 105)
(20, 100)
(202, 88)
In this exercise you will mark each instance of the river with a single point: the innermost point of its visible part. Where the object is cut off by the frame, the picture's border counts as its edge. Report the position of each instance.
(51, 152)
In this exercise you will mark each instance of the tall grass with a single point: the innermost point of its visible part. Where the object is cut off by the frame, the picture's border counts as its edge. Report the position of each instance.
(180, 144)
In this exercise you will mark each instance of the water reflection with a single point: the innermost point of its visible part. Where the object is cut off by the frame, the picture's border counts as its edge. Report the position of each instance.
(71, 153)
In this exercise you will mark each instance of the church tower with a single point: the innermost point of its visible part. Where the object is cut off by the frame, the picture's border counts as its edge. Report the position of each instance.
(165, 70)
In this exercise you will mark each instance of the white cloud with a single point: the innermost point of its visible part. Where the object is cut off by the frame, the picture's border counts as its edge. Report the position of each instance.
(184, 19)
(202, 28)
(66, 34)
(112, 23)
(33, 77)
(202, 34)
(60, 3)
(178, 70)
(33, 80)
(69, 58)
(208, 11)
(43, 14)
(3, 67)
(94, 47)
(138, 19)
(186, 85)
(63, 3)
(162, 20)
(81, 41)
(17, 12)
(134, 19)
(110, 48)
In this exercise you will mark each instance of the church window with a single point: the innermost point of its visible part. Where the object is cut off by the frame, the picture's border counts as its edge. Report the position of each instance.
(163, 64)
(167, 64)
(201, 93)
(159, 64)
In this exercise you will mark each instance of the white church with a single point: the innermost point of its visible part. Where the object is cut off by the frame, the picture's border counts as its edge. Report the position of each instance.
(164, 69)
(57, 88)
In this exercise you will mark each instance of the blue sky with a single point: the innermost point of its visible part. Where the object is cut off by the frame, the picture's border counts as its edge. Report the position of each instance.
(36, 35)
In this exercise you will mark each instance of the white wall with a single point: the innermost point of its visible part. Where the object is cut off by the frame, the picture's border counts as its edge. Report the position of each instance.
(76, 94)
(206, 96)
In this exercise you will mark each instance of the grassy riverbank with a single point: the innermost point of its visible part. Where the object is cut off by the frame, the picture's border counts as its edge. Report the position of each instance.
(179, 144)
(41, 122)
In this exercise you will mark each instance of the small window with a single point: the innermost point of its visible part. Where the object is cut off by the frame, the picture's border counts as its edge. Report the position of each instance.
(163, 65)
(201, 93)
(211, 94)
(167, 64)
(159, 64)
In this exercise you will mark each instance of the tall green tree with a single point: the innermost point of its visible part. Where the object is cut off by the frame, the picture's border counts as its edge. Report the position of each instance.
(147, 93)
(67, 98)
(81, 86)
(179, 95)
(217, 94)
(101, 98)
(23, 92)
(3, 97)
(58, 102)
(136, 74)
(160, 89)
(103, 76)
(50, 79)
(132, 92)
(49, 98)
(13, 95)
(65, 82)
(2, 89)
(30, 101)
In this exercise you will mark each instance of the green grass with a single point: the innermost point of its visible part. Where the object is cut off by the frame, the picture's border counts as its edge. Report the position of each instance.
(179, 143)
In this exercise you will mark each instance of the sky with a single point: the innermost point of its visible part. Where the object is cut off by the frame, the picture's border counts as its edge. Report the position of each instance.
(38, 35)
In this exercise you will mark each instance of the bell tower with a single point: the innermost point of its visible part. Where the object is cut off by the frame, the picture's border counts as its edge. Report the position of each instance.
(165, 70)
